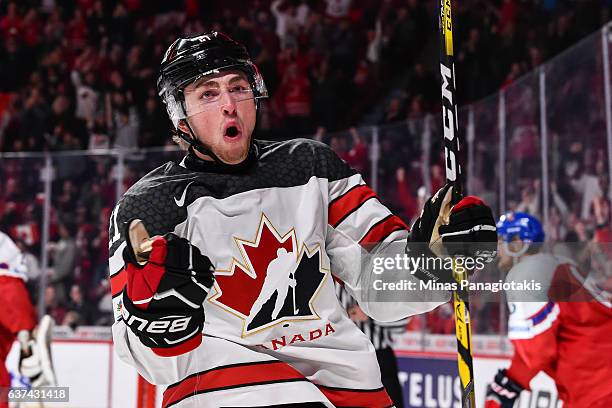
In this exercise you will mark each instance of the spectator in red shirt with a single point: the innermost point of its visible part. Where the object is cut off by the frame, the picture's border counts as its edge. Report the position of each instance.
(293, 99)
(440, 321)
(32, 28)
(438, 179)
(507, 15)
(407, 200)
(601, 208)
(76, 31)
(357, 155)
(12, 22)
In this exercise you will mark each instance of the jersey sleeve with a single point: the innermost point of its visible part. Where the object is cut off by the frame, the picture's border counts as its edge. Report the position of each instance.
(359, 229)
(535, 316)
(12, 261)
(533, 329)
(155, 369)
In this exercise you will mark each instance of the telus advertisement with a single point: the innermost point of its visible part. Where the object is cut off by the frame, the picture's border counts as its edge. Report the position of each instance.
(431, 381)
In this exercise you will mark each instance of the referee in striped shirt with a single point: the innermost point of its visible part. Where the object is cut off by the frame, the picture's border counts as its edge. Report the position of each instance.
(381, 336)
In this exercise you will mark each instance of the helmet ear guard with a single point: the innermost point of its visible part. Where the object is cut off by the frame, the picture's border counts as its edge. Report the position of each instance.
(175, 109)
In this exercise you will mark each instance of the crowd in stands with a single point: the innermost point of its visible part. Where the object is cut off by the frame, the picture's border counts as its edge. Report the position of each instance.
(80, 74)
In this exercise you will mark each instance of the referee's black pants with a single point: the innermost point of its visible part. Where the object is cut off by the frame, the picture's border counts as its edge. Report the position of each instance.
(388, 371)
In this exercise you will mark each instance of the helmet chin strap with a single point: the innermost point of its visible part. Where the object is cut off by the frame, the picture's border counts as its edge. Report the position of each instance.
(515, 255)
(195, 143)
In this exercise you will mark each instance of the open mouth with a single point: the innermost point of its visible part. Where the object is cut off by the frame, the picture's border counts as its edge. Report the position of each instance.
(232, 131)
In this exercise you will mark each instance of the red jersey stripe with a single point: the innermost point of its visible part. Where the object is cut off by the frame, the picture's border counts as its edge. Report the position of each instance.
(382, 229)
(179, 349)
(146, 394)
(377, 398)
(344, 205)
(117, 282)
(234, 376)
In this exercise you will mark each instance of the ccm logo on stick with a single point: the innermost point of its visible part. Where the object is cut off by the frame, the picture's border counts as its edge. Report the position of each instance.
(170, 324)
(449, 122)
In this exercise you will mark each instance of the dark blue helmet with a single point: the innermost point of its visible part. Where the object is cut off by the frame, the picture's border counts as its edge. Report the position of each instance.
(522, 225)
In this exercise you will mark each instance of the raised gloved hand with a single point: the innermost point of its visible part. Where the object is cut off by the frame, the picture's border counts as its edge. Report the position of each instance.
(464, 229)
(468, 221)
(163, 297)
(502, 392)
(35, 362)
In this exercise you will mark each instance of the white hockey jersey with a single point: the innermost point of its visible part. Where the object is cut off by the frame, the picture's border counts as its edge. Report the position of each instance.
(12, 261)
(270, 337)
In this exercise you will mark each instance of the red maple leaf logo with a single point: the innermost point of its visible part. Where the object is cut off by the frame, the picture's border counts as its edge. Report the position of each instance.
(238, 288)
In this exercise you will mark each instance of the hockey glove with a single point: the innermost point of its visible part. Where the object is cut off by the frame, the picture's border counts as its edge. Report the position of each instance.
(502, 392)
(470, 223)
(163, 299)
(464, 229)
(35, 361)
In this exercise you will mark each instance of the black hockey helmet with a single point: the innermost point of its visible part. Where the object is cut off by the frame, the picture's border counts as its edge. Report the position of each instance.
(191, 58)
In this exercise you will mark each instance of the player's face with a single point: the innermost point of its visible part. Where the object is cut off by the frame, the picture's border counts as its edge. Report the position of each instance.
(505, 260)
(221, 111)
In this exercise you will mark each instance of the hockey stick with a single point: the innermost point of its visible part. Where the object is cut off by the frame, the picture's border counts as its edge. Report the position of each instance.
(140, 241)
(453, 175)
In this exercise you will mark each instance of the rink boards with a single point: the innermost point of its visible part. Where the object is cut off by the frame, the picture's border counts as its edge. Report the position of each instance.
(85, 362)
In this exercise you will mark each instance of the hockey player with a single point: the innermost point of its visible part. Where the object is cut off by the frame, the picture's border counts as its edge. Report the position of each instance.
(278, 280)
(18, 322)
(200, 315)
(551, 331)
